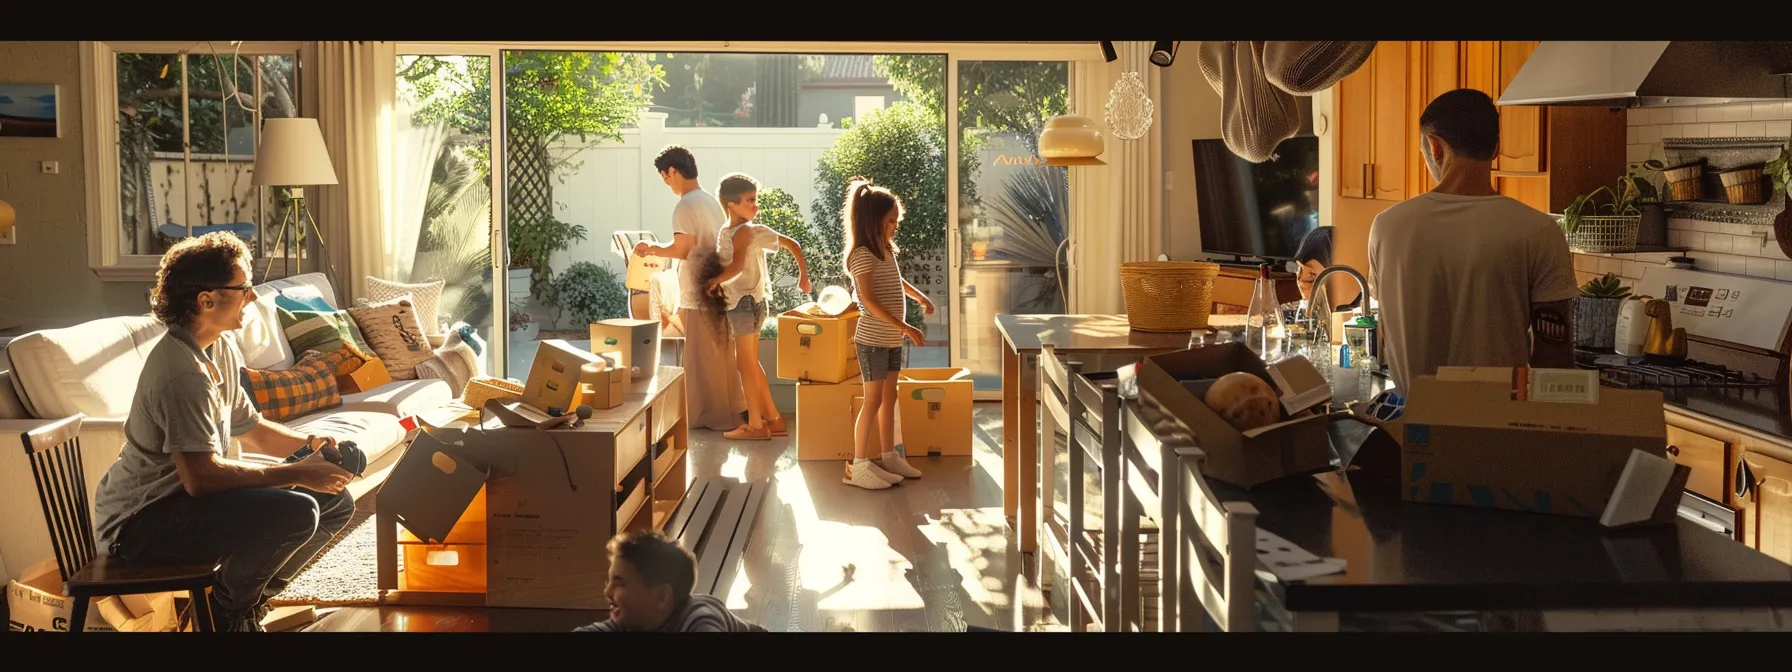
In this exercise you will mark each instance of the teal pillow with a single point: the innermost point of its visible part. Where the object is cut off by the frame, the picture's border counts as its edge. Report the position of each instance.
(325, 331)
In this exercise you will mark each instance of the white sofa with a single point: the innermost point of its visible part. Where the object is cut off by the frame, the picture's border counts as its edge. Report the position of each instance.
(92, 368)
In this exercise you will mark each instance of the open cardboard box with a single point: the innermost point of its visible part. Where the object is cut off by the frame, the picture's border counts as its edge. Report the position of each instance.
(1539, 440)
(1176, 383)
(817, 347)
(547, 507)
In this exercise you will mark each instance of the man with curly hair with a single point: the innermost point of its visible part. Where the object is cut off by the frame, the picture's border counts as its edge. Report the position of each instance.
(178, 492)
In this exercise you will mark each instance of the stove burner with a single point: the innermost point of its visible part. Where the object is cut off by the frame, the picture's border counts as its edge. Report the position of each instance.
(1690, 374)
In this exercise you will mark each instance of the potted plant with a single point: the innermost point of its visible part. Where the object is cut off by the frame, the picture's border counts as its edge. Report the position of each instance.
(533, 241)
(1652, 228)
(1596, 311)
(522, 326)
(1589, 231)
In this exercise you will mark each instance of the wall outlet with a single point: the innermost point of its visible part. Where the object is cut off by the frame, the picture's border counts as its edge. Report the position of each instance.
(9, 236)
(51, 167)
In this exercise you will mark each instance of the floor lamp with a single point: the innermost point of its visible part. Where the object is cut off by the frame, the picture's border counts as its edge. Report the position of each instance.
(292, 154)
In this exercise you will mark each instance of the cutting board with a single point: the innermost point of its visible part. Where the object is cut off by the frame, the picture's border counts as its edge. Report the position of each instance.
(1748, 311)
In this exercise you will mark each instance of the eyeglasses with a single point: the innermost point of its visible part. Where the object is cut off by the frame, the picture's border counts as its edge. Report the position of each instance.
(241, 288)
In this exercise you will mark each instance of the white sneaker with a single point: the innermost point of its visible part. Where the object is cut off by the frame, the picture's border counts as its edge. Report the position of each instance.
(886, 474)
(861, 474)
(896, 464)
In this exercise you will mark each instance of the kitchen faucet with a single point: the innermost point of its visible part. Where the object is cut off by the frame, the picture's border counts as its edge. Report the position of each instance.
(1314, 326)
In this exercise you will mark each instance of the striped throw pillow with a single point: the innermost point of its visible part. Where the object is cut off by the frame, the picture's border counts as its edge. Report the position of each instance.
(321, 331)
(309, 386)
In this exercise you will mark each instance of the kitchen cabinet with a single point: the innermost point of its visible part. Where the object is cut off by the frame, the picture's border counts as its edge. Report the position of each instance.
(1707, 457)
(1767, 505)
(1372, 126)
(1752, 470)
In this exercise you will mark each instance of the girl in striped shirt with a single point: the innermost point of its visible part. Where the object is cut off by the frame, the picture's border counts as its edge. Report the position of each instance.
(872, 215)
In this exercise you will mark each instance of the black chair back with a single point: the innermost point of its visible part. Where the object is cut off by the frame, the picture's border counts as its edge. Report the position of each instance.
(55, 454)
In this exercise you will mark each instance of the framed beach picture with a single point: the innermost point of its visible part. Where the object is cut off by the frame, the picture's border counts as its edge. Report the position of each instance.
(28, 111)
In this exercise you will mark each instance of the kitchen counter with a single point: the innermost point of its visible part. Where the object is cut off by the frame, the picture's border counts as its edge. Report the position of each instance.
(1767, 410)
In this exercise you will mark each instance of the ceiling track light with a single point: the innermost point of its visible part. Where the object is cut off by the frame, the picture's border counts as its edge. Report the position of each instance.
(1107, 52)
(1164, 53)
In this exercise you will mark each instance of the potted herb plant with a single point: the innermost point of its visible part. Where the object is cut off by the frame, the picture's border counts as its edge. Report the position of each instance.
(1596, 311)
(1652, 228)
(1589, 231)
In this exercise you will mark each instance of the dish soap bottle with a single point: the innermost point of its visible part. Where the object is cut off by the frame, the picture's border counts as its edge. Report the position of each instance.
(1263, 327)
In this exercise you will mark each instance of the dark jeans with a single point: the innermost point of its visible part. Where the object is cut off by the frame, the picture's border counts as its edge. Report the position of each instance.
(264, 536)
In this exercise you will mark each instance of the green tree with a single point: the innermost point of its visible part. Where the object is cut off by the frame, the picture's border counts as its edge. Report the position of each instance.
(778, 210)
(995, 95)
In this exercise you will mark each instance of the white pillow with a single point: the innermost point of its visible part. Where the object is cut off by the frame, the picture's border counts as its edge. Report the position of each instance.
(424, 297)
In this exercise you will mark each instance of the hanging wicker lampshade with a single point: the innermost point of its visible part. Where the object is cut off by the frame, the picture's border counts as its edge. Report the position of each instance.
(1306, 68)
(1255, 115)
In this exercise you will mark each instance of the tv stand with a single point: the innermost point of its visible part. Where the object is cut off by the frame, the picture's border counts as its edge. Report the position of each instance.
(1244, 261)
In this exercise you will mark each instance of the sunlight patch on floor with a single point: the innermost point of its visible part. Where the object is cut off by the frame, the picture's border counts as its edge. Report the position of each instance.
(970, 536)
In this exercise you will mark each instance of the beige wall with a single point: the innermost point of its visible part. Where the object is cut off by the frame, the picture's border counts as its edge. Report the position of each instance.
(1190, 111)
(44, 278)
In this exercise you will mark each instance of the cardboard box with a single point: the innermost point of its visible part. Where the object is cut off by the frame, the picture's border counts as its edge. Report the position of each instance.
(1175, 383)
(602, 389)
(814, 346)
(825, 416)
(550, 504)
(36, 602)
(636, 342)
(367, 376)
(1522, 439)
(555, 376)
(935, 407)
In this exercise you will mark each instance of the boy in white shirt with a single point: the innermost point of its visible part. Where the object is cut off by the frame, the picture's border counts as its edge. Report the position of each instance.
(742, 247)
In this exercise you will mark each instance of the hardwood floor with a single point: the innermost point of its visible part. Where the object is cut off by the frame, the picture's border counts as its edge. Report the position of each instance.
(933, 554)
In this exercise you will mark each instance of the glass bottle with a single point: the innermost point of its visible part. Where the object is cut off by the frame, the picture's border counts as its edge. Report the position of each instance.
(1264, 328)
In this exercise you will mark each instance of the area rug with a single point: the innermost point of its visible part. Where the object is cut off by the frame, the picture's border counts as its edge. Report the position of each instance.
(344, 574)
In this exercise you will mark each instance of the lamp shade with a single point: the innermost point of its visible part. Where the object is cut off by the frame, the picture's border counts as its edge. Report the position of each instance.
(1072, 140)
(6, 215)
(292, 154)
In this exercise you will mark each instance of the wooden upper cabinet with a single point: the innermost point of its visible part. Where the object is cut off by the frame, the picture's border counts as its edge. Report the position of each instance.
(1435, 69)
(1521, 127)
(1372, 126)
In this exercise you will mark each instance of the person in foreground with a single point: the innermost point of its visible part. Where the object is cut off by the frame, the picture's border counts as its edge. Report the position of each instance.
(1466, 276)
(650, 590)
(178, 492)
(713, 394)
(743, 246)
(872, 215)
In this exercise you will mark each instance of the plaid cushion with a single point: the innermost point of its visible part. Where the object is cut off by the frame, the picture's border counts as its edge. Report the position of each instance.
(322, 331)
(309, 386)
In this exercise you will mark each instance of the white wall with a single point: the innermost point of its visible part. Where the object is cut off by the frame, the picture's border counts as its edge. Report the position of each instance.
(1726, 248)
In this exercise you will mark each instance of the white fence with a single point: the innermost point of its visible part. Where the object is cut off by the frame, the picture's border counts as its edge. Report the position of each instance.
(610, 186)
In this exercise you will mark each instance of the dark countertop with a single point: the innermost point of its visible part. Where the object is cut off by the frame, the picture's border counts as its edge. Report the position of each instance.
(1762, 409)
(1421, 557)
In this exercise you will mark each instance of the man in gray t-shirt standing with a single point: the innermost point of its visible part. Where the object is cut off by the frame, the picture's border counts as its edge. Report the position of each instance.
(178, 493)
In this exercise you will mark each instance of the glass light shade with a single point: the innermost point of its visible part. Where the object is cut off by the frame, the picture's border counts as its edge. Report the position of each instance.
(1072, 140)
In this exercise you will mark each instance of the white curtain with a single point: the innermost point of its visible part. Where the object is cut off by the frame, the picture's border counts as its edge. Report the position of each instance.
(414, 151)
(1117, 209)
(356, 84)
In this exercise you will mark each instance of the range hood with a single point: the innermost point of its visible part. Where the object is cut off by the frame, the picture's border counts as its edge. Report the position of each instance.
(1652, 74)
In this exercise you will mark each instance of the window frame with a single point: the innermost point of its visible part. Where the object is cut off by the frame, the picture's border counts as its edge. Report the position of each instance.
(99, 104)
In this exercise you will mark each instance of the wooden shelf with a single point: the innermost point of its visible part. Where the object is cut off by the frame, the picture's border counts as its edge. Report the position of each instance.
(666, 462)
(1644, 249)
(662, 511)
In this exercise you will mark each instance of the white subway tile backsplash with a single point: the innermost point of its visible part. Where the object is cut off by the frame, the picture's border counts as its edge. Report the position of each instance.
(1732, 264)
(1637, 117)
(1751, 129)
(1778, 129)
(1610, 265)
(1650, 134)
(1723, 130)
(1699, 130)
(1739, 112)
(1636, 153)
(1685, 115)
(1734, 229)
(1633, 269)
(1760, 268)
(1672, 131)
(1718, 242)
(1661, 115)
(1581, 262)
(1782, 270)
(1769, 110)
(1701, 225)
(1631, 135)
(1710, 113)
(1692, 239)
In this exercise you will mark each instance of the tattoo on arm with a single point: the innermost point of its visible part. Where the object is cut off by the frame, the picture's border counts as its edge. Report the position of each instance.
(1549, 325)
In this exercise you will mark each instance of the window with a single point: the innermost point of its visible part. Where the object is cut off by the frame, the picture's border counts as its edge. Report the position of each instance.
(171, 132)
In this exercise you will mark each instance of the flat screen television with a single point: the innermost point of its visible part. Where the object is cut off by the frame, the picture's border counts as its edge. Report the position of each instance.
(1257, 209)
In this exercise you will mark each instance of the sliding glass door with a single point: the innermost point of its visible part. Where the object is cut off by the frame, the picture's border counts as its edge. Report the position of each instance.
(447, 205)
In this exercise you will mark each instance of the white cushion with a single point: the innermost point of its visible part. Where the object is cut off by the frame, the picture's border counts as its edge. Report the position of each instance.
(373, 432)
(261, 338)
(424, 297)
(88, 368)
(305, 282)
(402, 398)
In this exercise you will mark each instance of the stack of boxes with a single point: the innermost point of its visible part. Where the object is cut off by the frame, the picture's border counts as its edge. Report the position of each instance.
(817, 350)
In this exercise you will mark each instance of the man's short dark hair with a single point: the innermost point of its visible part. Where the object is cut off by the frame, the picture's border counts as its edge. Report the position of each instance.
(1466, 120)
(676, 156)
(197, 264)
(658, 561)
(736, 186)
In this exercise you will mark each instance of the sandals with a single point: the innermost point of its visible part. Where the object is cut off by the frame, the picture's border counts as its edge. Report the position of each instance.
(746, 433)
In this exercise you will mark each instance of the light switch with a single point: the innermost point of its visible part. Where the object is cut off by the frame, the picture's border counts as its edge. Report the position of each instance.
(9, 235)
(51, 167)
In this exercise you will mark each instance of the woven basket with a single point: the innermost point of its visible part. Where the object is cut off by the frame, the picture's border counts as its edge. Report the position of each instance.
(1742, 186)
(1606, 233)
(1168, 295)
(483, 388)
(1686, 182)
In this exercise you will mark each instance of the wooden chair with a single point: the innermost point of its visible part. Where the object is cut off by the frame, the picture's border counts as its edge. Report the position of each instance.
(55, 454)
(1064, 414)
(1148, 493)
(1218, 546)
(1096, 441)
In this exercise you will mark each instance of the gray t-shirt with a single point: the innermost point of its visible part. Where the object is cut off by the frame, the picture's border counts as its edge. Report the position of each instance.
(179, 407)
